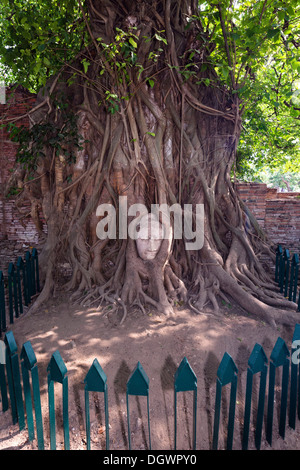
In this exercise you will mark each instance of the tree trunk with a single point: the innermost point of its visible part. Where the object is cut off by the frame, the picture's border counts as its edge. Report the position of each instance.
(152, 131)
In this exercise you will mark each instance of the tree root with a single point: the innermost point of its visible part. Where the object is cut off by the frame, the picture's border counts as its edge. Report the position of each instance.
(176, 124)
(141, 285)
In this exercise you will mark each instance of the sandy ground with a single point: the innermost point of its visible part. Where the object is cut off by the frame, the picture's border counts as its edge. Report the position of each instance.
(82, 334)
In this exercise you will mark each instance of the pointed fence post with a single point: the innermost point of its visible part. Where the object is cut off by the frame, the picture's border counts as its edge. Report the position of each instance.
(227, 373)
(12, 293)
(2, 305)
(256, 364)
(20, 269)
(3, 388)
(57, 373)
(279, 357)
(28, 277)
(95, 381)
(294, 278)
(287, 271)
(14, 380)
(32, 270)
(35, 269)
(284, 272)
(29, 365)
(295, 378)
(185, 380)
(281, 272)
(279, 252)
(138, 384)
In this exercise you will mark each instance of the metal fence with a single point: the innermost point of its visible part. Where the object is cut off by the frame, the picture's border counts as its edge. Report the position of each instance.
(20, 391)
(18, 287)
(20, 387)
(287, 274)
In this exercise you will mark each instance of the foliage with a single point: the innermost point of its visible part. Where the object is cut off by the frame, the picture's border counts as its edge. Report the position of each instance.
(60, 139)
(281, 178)
(38, 37)
(270, 137)
(256, 54)
(253, 46)
(284, 182)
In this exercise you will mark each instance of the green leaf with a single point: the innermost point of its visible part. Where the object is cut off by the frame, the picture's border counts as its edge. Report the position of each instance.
(132, 42)
(160, 38)
(272, 32)
(37, 67)
(295, 64)
(290, 10)
(85, 64)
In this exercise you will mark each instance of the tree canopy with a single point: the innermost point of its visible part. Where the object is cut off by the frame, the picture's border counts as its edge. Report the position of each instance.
(253, 47)
(37, 38)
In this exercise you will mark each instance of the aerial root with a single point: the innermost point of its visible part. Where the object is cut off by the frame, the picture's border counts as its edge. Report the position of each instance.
(108, 299)
(176, 289)
(208, 290)
(266, 292)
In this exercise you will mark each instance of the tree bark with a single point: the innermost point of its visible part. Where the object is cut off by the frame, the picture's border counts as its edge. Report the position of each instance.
(155, 133)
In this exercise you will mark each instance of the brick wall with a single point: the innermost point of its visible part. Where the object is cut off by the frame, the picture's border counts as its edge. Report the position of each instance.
(282, 222)
(278, 213)
(254, 195)
(13, 226)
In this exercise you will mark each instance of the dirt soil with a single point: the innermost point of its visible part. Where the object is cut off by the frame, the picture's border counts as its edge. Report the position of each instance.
(159, 343)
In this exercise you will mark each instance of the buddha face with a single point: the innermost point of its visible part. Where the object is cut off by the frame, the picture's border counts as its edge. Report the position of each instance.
(150, 237)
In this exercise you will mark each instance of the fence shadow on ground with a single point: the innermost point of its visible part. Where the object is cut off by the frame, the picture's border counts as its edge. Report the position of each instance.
(271, 391)
(267, 379)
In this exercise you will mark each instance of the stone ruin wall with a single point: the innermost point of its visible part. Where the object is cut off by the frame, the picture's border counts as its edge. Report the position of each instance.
(277, 213)
(17, 231)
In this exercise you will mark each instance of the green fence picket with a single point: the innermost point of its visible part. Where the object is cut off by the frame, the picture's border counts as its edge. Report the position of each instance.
(226, 374)
(2, 305)
(294, 278)
(282, 270)
(35, 270)
(185, 380)
(279, 358)
(12, 293)
(295, 378)
(286, 256)
(279, 253)
(29, 367)
(57, 373)
(3, 387)
(20, 277)
(287, 273)
(256, 364)
(14, 380)
(28, 277)
(95, 381)
(138, 384)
